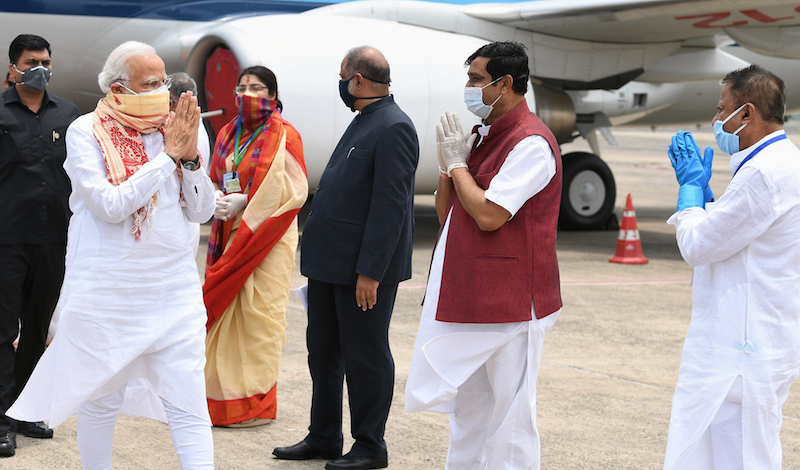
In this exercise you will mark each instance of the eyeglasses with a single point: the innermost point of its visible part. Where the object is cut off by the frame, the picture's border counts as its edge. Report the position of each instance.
(255, 88)
(151, 84)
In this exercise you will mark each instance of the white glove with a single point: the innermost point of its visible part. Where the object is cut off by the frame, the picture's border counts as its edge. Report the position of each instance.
(450, 142)
(229, 205)
(219, 208)
(442, 166)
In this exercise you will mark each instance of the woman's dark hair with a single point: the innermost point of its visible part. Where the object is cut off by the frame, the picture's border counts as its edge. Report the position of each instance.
(267, 77)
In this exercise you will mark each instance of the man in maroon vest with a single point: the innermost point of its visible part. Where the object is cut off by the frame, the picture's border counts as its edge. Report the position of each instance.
(493, 289)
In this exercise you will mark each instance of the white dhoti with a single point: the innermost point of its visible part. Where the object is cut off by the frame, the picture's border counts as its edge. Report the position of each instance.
(484, 376)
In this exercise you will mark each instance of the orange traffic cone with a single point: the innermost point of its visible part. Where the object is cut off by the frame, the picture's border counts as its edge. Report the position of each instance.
(629, 247)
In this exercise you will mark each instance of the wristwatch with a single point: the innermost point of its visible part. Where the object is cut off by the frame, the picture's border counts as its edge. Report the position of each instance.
(192, 164)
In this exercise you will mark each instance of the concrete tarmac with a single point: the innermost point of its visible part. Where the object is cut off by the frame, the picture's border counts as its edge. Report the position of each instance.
(609, 366)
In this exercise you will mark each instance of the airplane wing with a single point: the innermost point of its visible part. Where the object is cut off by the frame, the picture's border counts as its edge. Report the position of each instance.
(604, 44)
(637, 21)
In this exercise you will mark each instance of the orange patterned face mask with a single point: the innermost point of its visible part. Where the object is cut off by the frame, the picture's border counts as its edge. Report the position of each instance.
(141, 105)
(253, 109)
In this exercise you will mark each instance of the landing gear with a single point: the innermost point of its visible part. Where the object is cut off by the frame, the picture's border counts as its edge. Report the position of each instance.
(588, 193)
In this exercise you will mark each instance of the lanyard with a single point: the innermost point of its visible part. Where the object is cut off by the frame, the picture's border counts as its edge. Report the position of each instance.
(758, 149)
(238, 153)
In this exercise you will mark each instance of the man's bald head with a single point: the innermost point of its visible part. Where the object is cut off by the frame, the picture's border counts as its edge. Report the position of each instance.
(369, 62)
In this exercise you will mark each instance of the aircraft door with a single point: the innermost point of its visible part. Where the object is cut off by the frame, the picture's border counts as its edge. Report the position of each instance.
(222, 71)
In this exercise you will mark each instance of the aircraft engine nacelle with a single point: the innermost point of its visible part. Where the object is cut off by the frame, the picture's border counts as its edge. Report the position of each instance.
(305, 52)
(555, 108)
(772, 40)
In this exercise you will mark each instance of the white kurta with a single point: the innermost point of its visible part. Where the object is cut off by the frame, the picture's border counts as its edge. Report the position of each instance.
(449, 358)
(130, 311)
(745, 307)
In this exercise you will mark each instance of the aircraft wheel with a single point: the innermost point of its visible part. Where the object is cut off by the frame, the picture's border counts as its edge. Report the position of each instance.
(588, 192)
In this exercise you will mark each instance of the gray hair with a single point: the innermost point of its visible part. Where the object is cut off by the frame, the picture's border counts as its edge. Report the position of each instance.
(181, 83)
(116, 66)
(372, 68)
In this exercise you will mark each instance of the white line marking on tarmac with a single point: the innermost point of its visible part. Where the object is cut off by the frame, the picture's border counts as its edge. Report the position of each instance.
(619, 282)
(626, 281)
(672, 390)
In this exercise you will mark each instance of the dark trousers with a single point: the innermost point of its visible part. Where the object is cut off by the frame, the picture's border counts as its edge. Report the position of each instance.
(344, 341)
(30, 282)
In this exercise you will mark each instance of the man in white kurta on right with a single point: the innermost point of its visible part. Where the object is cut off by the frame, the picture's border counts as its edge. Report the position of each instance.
(742, 349)
(493, 289)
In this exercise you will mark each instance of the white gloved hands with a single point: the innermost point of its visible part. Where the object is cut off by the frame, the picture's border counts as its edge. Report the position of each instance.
(451, 144)
(228, 205)
(442, 166)
(220, 206)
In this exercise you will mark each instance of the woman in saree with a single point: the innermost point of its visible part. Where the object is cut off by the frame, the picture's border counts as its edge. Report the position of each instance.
(261, 181)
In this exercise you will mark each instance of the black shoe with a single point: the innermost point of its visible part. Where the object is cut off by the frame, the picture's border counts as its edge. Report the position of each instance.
(37, 430)
(353, 461)
(8, 442)
(303, 451)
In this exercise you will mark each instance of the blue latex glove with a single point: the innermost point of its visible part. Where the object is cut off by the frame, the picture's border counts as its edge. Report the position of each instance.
(690, 171)
(707, 158)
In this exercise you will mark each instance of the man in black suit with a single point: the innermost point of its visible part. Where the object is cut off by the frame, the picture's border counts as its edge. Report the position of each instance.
(356, 248)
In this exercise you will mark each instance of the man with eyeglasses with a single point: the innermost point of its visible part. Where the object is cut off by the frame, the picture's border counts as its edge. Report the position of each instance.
(131, 331)
(34, 189)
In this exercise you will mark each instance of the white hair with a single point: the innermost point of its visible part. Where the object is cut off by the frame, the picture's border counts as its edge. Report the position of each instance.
(116, 66)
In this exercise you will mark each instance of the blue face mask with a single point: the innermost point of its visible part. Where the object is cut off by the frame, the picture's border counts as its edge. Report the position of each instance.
(727, 142)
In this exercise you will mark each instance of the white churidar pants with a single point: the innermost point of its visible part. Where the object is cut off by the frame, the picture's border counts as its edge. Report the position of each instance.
(191, 436)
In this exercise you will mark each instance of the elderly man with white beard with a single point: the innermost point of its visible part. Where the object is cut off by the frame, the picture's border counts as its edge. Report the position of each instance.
(131, 334)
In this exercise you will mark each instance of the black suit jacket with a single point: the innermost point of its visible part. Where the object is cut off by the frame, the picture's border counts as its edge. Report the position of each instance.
(362, 218)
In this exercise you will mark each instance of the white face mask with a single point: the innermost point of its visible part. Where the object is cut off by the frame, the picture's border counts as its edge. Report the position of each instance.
(473, 97)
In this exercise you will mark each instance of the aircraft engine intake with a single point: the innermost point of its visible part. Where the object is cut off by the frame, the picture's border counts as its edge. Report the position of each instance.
(425, 83)
(556, 110)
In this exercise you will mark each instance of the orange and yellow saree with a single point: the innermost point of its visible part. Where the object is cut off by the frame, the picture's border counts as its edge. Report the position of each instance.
(249, 270)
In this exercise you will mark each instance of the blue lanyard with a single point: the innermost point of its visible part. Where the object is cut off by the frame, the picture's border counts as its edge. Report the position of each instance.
(760, 148)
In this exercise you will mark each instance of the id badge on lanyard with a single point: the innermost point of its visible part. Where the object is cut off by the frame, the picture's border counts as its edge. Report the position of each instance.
(231, 182)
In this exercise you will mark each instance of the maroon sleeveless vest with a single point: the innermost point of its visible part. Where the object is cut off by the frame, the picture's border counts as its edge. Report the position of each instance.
(492, 277)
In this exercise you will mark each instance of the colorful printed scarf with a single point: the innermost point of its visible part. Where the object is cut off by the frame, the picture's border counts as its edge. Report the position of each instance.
(253, 112)
(120, 138)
